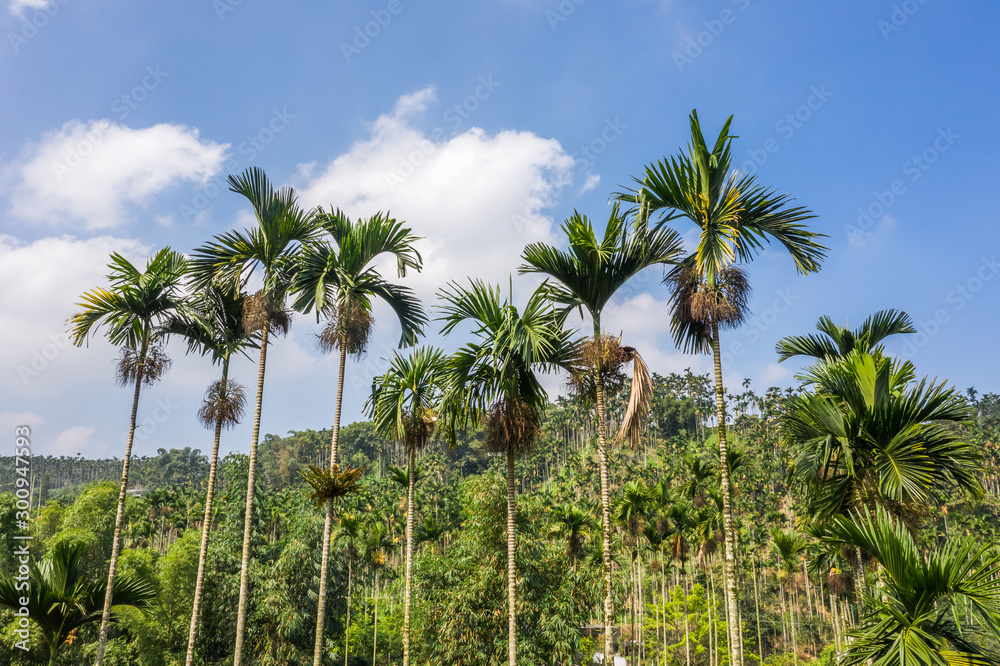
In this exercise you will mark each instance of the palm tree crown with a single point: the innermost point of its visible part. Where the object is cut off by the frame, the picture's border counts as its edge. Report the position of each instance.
(840, 340)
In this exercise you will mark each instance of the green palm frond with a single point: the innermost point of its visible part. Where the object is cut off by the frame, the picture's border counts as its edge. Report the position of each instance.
(840, 340)
(136, 302)
(403, 403)
(331, 484)
(332, 276)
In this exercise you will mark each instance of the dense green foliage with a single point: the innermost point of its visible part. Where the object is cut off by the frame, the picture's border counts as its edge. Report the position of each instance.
(666, 542)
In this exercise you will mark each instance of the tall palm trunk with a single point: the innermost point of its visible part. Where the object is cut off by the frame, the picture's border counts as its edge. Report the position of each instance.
(347, 628)
(102, 643)
(602, 460)
(411, 472)
(375, 634)
(729, 568)
(199, 586)
(241, 611)
(756, 607)
(328, 525)
(511, 566)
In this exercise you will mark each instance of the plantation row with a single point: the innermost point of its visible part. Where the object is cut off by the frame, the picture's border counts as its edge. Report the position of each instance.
(640, 537)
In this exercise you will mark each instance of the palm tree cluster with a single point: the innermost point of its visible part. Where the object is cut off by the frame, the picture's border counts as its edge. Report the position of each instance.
(870, 445)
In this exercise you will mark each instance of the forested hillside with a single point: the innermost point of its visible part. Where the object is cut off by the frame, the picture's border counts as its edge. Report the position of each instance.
(796, 605)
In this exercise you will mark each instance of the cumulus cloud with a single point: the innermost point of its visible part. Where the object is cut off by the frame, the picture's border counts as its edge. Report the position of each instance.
(94, 173)
(50, 274)
(74, 440)
(476, 199)
(18, 6)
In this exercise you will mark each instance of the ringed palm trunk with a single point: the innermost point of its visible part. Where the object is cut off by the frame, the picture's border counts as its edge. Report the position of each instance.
(511, 565)
(602, 458)
(347, 628)
(102, 643)
(328, 525)
(241, 611)
(729, 568)
(407, 595)
(199, 586)
(375, 634)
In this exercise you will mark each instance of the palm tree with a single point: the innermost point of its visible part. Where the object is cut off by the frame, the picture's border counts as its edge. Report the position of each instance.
(735, 215)
(571, 523)
(132, 311)
(868, 435)
(60, 599)
(587, 276)
(403, 407)
(914, 619)
(840, 340)
(230, 260)
(349, 536)
(492, 383)
(341, 283)
(217, 331)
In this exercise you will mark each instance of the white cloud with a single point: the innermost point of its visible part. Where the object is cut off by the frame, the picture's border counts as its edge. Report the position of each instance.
(11, 420)
(51, 274)
(861, 238)
(95, 172)
(476, 199)
(773, 375)
(74, 440)
(18, 6)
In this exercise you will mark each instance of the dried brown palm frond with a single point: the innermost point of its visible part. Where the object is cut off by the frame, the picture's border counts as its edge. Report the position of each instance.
(223, 404)
(259, 310)
(604, 352)
(725, 303)
(639, 401)
(511, 426)
(155, 364)
(349, 323)
(330, 484)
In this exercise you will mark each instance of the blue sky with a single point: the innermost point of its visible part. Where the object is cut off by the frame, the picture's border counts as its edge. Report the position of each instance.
(483, 125)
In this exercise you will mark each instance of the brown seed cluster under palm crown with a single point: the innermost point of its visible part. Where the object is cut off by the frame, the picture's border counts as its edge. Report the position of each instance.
(726, 302)
(511, 426)
(259, 311)
(224, 402)
(127, 368)
(349, 324)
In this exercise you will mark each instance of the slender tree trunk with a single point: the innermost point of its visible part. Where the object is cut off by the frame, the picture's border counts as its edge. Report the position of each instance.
(375, 634)
(729, 570)
(347, 628)
(102, 642)
(241, 611)
(859, 583)
(328, 524)
(687, 632)
(602, 460)
(792, 602)
(199, 586)
(511, 565)
(411, 473)
(756, 605)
